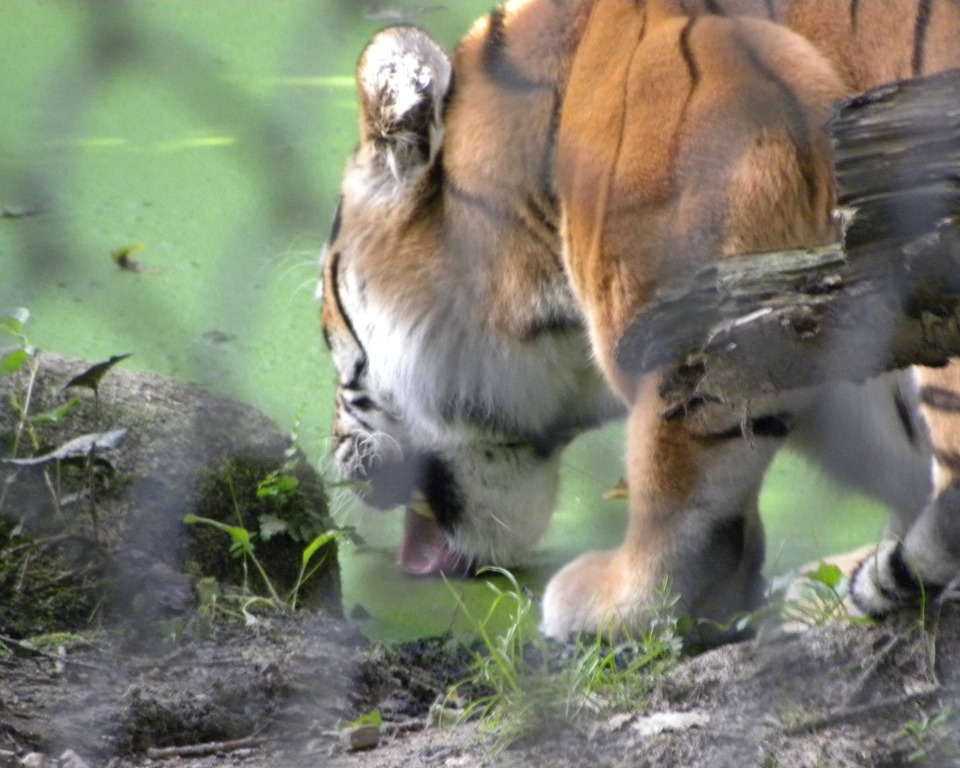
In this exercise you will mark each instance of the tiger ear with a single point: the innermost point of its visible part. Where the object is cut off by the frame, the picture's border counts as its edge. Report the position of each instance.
(403, 78)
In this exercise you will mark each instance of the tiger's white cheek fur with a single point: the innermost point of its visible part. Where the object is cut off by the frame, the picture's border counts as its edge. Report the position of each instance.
(508, 498)
(507, 494)
(440, 364)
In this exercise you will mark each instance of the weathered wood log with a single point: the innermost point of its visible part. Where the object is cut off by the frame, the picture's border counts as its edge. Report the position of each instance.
(887, 298)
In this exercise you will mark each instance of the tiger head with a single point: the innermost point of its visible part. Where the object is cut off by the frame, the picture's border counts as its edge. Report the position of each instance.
(459, 382)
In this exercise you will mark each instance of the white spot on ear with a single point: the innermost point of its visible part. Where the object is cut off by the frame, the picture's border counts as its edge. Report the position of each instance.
(404, 77)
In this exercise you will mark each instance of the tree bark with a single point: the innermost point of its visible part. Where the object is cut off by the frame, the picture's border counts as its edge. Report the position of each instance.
(887, 298)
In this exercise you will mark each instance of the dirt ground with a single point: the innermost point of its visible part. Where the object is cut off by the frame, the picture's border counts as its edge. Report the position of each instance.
(279, 694)
(114, 651)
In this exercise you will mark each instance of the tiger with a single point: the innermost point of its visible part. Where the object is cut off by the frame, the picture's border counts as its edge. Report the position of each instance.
(511, 207)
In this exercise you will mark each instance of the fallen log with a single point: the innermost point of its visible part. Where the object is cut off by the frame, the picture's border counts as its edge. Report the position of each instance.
(886, 298)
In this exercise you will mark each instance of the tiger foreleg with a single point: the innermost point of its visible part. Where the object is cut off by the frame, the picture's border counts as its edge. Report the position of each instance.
(694, 539)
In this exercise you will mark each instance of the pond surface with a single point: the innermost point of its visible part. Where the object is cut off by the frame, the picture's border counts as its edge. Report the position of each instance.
(206, 141)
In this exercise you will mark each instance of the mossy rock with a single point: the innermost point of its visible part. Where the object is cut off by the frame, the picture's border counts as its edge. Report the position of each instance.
(102, 536)
(281, 524)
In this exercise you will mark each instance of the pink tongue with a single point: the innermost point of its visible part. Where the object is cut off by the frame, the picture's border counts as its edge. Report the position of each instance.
(425, 549)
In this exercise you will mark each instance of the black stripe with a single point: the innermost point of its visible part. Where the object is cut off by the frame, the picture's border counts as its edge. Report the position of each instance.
(920, 36)
(496, 61)
(905, 580)
(440, 489)
(905, 414)
(686, 409)
(335, 286)
(688, 58)
(483, 204)
(854, 12)
(713, 6)
(337, 221)
(774, 426)
(771, 10)
(361, 421)
(504, 215)
(547, 162)
(949, 459)
(940, 399)
(544, 218)
(553, 324)
(361, 403)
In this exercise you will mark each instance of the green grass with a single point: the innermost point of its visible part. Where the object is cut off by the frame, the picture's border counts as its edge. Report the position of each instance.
(521, 682)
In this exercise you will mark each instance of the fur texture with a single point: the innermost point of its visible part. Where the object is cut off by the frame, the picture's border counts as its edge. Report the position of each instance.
(509, 210)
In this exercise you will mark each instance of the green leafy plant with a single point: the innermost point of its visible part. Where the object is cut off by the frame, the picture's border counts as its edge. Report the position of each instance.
(242, 548)
(47, 580)
(808, 599)
(265, 505)
(819, 597)
(371, 718)
(12, 360)
(929, 734)
(521, 680)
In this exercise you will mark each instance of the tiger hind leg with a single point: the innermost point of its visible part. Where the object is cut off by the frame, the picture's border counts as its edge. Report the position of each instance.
(922, 560)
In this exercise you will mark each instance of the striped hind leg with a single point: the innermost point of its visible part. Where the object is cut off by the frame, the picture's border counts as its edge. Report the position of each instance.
(872, 437)
(921, 555)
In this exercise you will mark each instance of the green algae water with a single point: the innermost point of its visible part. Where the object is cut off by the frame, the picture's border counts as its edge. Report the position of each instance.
(168, 172)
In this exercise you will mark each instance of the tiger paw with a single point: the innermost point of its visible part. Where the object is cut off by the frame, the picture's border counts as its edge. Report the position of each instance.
(597, 593)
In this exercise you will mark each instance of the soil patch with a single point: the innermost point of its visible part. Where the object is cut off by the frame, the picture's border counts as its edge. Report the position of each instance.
(279, 693)
(123, 643)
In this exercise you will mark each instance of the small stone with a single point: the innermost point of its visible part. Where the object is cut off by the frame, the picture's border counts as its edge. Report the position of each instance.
(651, 725)
(357, 738)
(33, 760)
(70, 759)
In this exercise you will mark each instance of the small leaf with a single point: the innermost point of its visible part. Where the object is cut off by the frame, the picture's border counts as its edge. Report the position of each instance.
(277, 484)
(208, 591)
(242, 540)
(828, 574)
(56, 415)
(11, 324)
(15, 321)
(321, 540)
(270, 526)
(371, 718)
(123, 259)
(13, 361)
(90, 378)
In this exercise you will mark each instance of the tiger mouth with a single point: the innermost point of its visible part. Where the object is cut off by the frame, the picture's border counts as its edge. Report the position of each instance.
(426, 549)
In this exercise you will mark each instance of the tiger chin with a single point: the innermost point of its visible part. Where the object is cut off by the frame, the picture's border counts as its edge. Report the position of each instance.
(509, 210)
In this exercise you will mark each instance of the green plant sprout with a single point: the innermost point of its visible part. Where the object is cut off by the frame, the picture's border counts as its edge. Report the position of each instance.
(242, 547)
(13, 358)
(929, 734)
(520, 679)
